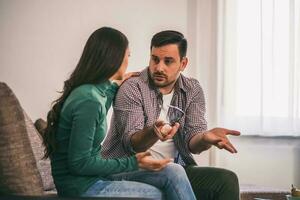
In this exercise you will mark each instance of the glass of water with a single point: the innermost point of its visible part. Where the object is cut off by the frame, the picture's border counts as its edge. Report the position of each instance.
(174, 114)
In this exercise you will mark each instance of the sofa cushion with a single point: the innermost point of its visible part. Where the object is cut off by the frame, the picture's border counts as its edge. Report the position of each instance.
(44, 166)
(18, 168)
(40, 126)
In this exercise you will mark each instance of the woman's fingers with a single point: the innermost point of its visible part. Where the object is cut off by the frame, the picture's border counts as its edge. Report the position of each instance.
(160, 164)
(146, 161)
(130, 74)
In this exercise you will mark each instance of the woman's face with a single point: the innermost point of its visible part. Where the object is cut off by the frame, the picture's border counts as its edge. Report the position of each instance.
(120, 73)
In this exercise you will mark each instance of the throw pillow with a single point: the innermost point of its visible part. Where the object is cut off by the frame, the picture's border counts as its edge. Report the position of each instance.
(19, 174)
(43, 166)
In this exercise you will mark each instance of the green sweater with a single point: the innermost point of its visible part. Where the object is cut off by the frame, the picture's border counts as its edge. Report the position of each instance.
(77, 163)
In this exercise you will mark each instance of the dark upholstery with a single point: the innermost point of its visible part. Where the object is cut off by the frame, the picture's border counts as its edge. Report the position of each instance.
(18, 169)
(44, 166)
(40, 125)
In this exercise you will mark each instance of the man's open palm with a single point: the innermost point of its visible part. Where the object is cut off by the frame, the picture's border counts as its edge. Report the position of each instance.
(218, 137)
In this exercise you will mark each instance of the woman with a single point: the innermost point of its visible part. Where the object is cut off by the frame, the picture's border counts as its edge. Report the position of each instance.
(77, 126)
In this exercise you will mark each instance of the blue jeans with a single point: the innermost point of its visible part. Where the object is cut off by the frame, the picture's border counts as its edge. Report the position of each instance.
(172, 181)
(124, 189)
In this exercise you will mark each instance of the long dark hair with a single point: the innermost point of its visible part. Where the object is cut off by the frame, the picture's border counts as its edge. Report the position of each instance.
(101, 58)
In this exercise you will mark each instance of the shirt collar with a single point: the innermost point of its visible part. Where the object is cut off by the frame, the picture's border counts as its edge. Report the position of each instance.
(104, 86)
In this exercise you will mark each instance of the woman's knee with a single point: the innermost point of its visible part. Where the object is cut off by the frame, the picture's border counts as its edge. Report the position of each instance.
(124, 189)
(173, 168)
(174, 171)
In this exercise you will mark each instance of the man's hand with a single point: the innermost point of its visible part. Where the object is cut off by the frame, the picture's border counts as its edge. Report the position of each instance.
(165, 131)
(142, 140)
(146, 161)
(218, 137)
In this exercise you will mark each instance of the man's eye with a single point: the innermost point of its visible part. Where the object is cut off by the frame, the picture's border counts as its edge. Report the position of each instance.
(155, 59)
(168, 61)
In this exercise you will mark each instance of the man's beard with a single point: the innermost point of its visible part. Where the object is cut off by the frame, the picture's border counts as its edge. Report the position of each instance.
(161, 85)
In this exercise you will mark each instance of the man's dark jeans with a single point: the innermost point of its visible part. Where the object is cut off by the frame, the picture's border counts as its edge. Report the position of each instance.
(211, 183)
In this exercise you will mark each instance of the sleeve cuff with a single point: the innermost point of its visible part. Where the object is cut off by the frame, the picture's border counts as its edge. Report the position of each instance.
(134, 162)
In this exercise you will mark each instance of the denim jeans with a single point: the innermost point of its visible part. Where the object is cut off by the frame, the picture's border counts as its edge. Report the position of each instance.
(124, 189)
(172, 181)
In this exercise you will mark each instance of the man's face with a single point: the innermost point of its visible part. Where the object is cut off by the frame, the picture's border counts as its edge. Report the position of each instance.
(165, 65)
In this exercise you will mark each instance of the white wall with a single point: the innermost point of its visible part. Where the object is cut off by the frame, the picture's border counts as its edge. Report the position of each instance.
(41, 41)
(202, 26)
(264, 161)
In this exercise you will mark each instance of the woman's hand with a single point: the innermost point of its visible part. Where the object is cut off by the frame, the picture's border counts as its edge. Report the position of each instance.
(125, 77)
(146, 161)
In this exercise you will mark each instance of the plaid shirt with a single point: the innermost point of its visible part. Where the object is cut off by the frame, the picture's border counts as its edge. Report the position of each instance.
(138, 104)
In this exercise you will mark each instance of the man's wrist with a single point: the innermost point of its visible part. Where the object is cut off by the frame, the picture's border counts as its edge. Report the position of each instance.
(142, 140)
(202, 140)
(198, 143)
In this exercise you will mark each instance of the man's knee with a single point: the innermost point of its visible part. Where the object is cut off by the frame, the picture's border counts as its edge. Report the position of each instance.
(230, 179)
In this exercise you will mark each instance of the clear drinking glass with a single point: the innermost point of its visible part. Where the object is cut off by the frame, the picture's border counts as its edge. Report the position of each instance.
(174, 114)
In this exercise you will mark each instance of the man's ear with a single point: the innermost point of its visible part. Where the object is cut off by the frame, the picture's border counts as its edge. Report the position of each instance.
(184, 63)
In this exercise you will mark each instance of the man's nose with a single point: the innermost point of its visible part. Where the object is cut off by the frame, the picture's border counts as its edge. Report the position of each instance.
(160, 66)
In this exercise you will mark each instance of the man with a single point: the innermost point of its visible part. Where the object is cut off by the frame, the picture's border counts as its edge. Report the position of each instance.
(141, 110)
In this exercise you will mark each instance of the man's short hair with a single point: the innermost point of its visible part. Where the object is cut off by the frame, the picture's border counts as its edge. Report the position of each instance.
(170, 37)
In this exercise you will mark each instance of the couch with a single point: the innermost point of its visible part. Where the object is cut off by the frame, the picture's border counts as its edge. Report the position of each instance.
(22, 170)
